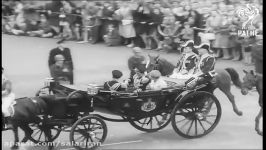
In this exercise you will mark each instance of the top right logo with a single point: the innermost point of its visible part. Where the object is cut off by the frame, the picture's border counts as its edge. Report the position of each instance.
(247, 15)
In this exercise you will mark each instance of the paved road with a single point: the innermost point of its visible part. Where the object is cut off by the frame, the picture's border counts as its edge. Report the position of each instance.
(25, 63)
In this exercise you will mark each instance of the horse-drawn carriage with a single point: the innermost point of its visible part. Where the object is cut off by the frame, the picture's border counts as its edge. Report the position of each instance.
(193, 112)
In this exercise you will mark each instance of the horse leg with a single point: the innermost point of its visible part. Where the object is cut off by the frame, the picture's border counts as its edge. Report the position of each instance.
(257, 122)
(231, 98)
(16, 138)
(48, 134)
(27, 131)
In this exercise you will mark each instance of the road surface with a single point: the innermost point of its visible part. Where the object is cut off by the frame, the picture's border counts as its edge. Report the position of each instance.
(25, 60)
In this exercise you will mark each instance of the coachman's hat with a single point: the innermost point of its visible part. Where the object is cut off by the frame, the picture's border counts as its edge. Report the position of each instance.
(204, 46)
(117, 74)
(189, 43)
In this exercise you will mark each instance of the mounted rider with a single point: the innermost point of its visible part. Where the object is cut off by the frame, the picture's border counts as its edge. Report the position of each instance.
(8, 99)
(188, 62)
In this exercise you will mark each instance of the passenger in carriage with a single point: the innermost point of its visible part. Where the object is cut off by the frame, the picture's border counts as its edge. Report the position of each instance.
(187, 64)
(61, 71)
(157, 83)
(115, 84)
(140, 80)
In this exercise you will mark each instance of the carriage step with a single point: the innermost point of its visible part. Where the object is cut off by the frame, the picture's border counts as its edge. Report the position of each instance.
(61, 121)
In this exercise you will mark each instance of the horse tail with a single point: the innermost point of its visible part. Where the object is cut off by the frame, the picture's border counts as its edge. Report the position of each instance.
(234, 77)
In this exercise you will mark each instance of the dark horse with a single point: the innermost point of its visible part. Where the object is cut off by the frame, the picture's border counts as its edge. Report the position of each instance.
(223, 78)
(252, 80)
(29, 110)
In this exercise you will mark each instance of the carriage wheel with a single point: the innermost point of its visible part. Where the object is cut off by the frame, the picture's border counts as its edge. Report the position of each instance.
(197, 116)
(88, 132)
(47, 91)
(152, 124)
(39, 136)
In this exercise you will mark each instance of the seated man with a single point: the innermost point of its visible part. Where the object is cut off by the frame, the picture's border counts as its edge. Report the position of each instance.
(115, 84)
(60, 71)
(187, 64)
(157, 83)
(140, 80)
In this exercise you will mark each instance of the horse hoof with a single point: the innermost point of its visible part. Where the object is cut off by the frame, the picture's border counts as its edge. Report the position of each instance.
(239, 113)
(14, 147)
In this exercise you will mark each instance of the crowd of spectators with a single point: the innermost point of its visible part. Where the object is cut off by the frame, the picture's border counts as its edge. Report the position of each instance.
(149, 24)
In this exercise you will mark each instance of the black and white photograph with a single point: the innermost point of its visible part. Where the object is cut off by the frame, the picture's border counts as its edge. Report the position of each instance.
(132, 74)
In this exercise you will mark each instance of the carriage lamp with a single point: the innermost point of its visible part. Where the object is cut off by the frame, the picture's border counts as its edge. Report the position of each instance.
(92, 89)
(49, 82)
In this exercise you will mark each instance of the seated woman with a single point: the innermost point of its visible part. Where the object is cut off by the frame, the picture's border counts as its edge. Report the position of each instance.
(115, 84)
(157, 83)
(140, 80)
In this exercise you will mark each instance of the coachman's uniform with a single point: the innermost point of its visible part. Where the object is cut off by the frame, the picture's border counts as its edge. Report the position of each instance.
(206, 65)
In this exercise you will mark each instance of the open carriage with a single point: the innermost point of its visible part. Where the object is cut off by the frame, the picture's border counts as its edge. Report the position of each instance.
(192, 113)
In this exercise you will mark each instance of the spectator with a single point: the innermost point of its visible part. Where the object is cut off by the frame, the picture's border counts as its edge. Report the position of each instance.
(126, 28)
(91, 22)
(187, 33)
(156, 20)
(141, 18)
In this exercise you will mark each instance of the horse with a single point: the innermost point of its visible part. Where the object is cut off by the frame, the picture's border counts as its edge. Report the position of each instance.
(251, 80)
(222, 79)
(29, 110)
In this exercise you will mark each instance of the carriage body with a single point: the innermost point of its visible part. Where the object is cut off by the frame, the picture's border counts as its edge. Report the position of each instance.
(147, 111)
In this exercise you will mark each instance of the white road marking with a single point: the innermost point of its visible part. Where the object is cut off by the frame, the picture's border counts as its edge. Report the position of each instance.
(68, 148)
(127, 142)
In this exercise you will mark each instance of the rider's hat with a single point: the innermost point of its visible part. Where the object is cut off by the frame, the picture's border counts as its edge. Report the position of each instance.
(59, 57)
(189, 43)
(155, 74)
(117, 74)
(204, 46)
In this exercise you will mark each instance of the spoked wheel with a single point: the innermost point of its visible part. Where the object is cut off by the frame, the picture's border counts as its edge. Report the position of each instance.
(88, 132)
(151, 124)
(197, 116)
(40, 136)
(47, 91)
